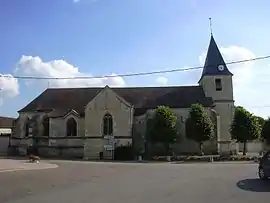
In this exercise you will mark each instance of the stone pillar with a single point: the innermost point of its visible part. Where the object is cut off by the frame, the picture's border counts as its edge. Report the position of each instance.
(224, 147)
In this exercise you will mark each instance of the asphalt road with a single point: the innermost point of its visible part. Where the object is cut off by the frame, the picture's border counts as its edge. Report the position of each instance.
(136, 183)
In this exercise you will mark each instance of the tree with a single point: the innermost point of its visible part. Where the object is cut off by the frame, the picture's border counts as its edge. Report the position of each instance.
(199, 126)
(266, 131)
(163, 127)
(245, 127)
(260, 120)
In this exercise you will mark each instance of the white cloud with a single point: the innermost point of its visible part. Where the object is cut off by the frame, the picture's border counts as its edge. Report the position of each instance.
(35, 66)
(162, 80)
(76, 1)
(9, 87)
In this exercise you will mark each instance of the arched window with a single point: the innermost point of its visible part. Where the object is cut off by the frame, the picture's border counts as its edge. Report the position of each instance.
(107, 124)
(71, 127)
(46, 126)
(27, 127)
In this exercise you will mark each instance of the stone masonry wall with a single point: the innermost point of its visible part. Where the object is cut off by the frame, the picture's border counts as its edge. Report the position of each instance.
(185, 146)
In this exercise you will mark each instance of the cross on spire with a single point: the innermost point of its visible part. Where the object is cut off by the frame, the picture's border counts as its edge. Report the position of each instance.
(210, 25)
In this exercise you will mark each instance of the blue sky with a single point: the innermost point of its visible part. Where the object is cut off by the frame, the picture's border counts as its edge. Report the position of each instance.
(49, 38)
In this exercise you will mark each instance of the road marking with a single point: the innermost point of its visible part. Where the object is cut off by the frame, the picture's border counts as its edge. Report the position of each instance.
(27, 169)
(10, 170)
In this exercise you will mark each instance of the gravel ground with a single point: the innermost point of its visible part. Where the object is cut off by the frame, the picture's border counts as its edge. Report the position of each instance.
(113, 182)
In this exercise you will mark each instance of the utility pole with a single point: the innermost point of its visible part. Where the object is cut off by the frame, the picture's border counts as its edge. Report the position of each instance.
(0, 97)
(0, 92)
(1, 82)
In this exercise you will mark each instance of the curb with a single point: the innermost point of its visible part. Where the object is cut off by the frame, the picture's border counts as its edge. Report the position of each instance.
(215, 162)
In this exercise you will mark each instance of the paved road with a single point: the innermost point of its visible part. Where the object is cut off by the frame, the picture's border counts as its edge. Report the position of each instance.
(15, 165)
(135, 183)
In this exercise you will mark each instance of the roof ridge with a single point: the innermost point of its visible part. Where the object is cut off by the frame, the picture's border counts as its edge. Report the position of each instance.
(128, 87)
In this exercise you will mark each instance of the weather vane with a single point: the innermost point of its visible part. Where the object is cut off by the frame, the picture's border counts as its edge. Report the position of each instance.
(210, 24)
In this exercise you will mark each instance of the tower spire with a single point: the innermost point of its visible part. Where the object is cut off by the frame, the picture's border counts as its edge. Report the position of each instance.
(214, 63)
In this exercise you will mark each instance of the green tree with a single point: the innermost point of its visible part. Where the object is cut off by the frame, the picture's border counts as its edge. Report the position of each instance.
(266, 131)
(245, 127)
(199, 126)
(260, 120)
(163, 127)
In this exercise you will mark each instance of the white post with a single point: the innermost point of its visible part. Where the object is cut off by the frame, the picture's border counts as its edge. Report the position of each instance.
(140, 158)
(112, 151)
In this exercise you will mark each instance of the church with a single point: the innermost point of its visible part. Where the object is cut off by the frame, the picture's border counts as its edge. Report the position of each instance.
(84, 122)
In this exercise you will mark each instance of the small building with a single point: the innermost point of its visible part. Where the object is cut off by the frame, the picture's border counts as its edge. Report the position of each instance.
(6, 124)
(83, 122)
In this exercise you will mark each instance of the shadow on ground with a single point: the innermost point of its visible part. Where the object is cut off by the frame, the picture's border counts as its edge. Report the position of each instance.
(254, 185)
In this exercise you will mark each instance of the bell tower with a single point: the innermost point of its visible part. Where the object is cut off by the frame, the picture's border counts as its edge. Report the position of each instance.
(216, 80)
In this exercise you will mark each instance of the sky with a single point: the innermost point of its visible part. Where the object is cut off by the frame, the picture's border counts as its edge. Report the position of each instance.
(69, 38)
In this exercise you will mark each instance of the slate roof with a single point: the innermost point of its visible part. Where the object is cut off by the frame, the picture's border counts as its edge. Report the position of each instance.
(6, 122)
(61, 100)
(213, 60)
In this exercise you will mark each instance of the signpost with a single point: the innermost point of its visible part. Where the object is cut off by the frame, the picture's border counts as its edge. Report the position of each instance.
(110, 145)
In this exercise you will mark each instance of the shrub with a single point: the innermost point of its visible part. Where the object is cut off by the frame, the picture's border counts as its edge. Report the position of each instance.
(216, 158)
(124, 153)
(159, 158)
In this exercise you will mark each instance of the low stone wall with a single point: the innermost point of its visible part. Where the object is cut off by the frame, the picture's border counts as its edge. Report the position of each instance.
(208, 158)
(73, 152)
(54, 147)
(51, 152)
(187, 147)
(66, 152)
(252, 146)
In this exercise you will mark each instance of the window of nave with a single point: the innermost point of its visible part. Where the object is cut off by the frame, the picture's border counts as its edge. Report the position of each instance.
(46, 126)
(107, 124)
(27, 127)
(71, 127)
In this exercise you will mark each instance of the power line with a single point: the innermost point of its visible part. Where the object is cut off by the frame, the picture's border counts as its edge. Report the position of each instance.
(263, 106)
(131, 74)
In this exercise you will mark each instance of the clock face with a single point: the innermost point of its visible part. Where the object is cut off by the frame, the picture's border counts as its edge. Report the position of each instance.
(220, 67)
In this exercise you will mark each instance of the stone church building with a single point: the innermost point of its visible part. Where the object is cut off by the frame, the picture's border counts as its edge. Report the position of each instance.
(82, 122)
